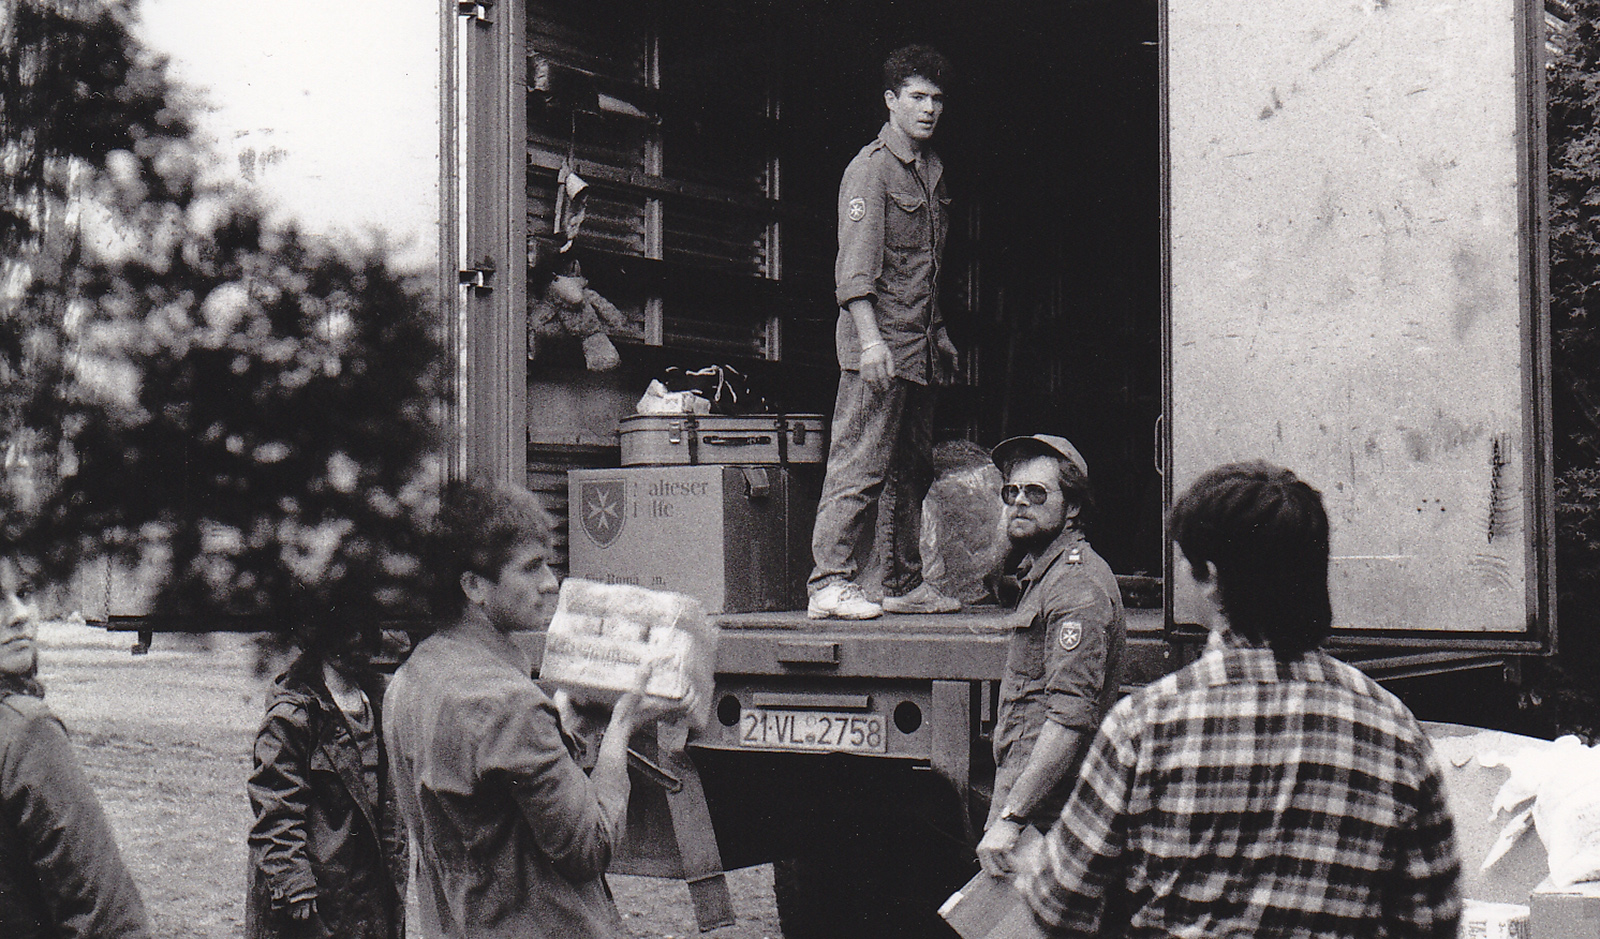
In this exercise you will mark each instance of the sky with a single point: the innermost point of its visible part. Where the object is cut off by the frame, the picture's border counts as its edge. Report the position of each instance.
(331, 109)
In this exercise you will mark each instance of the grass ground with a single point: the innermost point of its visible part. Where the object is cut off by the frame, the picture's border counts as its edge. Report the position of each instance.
(165, 740)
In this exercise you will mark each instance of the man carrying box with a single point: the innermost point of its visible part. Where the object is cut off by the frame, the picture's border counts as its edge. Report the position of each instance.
(1064, 655)
(513, 838)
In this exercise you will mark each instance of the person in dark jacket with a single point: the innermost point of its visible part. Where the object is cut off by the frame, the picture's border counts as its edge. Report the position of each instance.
(61, 876)
(327, 851)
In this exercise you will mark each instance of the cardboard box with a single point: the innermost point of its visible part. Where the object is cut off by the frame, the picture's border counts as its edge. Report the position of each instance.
(1470, 789)
(605, 637)
(736, 538)
(1481, 920)
(1564, 912)
(992, 907)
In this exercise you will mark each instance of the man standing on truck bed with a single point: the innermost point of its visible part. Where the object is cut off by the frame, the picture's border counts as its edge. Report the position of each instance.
(1268, 789)
(892, 344)
(1064, 657)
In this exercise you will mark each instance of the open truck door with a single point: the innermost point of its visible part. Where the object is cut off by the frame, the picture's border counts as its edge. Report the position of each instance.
(1357, 289)
(1350, 253)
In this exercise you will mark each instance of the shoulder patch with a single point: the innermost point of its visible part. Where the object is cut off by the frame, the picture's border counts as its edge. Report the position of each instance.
(858, 209)
(1071, 635)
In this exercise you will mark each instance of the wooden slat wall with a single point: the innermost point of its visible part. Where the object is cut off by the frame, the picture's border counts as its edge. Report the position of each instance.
(680, 142)
(547, 477)
(569, 36)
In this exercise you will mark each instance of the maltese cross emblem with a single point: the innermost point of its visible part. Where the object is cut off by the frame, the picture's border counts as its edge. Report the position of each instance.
(602, 505)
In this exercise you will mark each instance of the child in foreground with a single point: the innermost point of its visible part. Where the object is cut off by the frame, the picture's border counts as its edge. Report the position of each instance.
(327, 851)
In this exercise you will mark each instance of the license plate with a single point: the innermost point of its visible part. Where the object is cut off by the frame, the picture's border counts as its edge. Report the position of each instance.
(812, 730)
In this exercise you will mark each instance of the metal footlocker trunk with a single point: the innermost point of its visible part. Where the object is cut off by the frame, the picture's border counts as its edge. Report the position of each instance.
(697, 439)
(736, 538)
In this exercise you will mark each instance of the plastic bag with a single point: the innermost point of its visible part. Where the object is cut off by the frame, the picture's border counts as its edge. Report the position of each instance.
(658, 400)
(963, 527)
(728, 390)
(1564, 782)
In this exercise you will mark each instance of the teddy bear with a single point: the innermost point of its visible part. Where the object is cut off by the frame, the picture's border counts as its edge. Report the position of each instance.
(567, 306)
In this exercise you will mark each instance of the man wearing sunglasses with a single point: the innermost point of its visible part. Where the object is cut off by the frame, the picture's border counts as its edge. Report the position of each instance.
(1064, 661)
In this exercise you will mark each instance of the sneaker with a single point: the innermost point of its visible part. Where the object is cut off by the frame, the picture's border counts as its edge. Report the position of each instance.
(924, 599)
(842, 600)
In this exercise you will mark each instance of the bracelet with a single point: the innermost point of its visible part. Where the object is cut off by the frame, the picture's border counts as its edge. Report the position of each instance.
(873, 344)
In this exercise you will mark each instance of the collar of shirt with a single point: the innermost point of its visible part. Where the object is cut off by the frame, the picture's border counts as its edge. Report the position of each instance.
(1034, 567)
(1231, 659)
(906, 152)
(478, 632)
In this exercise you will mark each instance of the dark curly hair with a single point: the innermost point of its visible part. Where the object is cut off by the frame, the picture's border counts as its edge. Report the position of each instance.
(1265, 533)
(481, 523)
(907, 62)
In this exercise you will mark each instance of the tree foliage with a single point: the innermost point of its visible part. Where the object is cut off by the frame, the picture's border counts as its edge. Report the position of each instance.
(1573, 89)
(244, 411)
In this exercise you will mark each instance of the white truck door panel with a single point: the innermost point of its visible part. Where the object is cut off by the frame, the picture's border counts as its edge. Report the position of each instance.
(1355, 271)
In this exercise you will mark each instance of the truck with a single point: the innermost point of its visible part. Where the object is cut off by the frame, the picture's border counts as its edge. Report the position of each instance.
(1183, 232)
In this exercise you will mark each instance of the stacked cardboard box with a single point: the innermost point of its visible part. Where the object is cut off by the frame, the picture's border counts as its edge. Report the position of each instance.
(607, 639)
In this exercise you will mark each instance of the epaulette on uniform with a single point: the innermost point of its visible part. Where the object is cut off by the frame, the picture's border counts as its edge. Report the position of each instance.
(25, 705)
(872, 149)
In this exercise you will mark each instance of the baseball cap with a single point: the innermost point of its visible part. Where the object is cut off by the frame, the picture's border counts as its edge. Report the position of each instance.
(1038, 445)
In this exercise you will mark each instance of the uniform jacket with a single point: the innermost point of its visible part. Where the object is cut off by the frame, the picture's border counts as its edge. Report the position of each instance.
(61, 875)
(1064, 661)
(511, 839)
(892, 227)
(320, 831)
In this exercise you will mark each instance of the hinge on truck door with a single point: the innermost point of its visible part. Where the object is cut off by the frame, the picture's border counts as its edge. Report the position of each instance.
(477, 10)
(478, 277)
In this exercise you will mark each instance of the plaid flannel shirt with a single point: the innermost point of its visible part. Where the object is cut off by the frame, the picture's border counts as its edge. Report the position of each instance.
(1243, 796)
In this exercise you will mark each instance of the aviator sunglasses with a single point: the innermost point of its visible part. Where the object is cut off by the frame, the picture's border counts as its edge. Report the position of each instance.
(1011, 494)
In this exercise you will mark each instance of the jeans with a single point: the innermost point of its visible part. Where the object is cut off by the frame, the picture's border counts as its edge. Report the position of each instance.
(880, 466)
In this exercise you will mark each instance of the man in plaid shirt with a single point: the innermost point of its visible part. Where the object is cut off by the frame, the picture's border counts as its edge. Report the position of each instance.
(1267, 789)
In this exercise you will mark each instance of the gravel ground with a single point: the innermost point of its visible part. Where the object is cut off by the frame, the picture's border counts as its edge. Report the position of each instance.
(165, 740)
